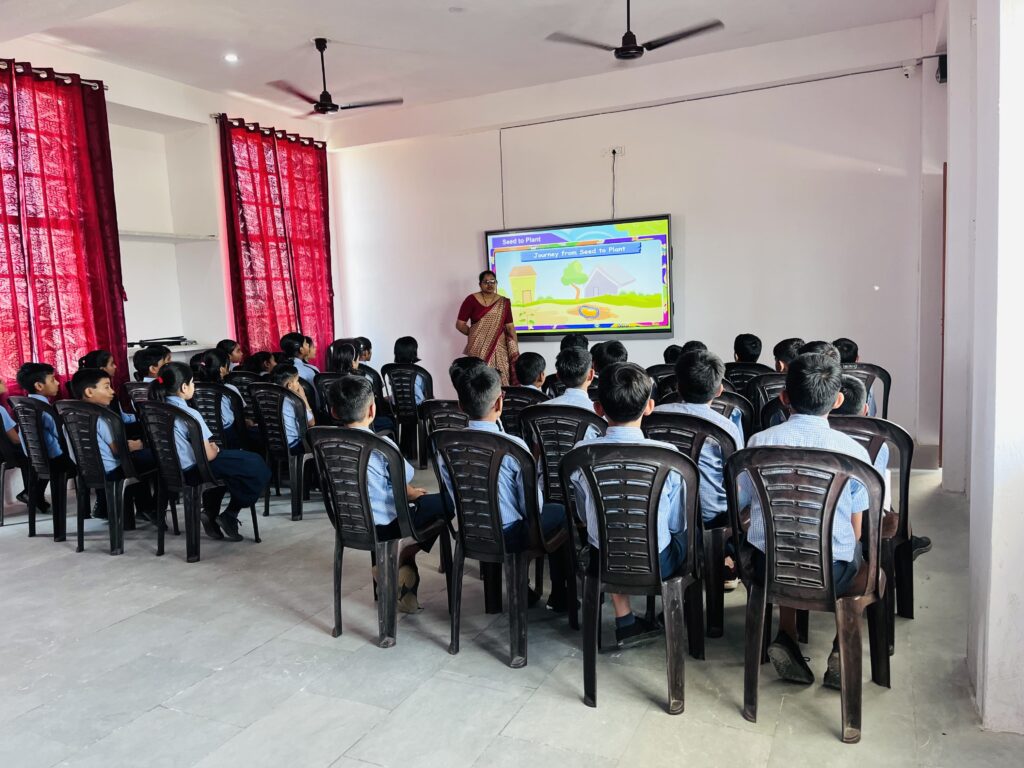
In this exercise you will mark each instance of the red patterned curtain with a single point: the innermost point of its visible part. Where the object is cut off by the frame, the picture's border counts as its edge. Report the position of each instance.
(279, 241)
(60, 263)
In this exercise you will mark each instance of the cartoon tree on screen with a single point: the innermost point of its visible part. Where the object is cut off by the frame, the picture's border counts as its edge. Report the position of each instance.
(574, 276)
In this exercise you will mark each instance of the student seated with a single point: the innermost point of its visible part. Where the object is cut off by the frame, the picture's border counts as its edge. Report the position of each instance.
(575, 369)
(232, 351)
(295, 347)
(92, 385)
(849, 353)
(347, 358)
(608, 353)
(287, 376)
(813, 384)
(820, 348)
(365, 349)
(407, 352)
(352, 405)
(480, 398)
(694, 346)
(672, 353)
(211, 368)
(461, 366)
(530, 370)
(260, 363)
(39, 381)
(785, 352)
(574, 340)
(746, 348)
(624, 398)
(148, 361)
(9, 425)
(310, 353)
(244, 474)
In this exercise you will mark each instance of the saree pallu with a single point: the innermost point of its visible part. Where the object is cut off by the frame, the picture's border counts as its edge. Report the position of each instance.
(489, 341)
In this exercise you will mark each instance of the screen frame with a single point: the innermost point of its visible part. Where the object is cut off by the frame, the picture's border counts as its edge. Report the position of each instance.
(652, 333)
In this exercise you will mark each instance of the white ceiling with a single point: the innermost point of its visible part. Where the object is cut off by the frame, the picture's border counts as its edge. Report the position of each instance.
(423, 50)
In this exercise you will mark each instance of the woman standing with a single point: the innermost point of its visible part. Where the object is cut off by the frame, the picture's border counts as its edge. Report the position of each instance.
(486, 318)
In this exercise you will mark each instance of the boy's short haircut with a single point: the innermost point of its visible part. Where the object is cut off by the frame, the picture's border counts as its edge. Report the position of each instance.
(574, 340)
(855, 397)
(609, 353)
(812, 383)
(623, 391)
(529, 367)
(291, 343)
(461, 366)
(350, 398)
(87, 378)
(146, 358)
(694, 346)
(282, 373)
(572, 366)
(848, 350)
(699, 376)
(787, 350)
(747, 348)
(821, 348)
(672, 353)
(479, 388)
(31, 374)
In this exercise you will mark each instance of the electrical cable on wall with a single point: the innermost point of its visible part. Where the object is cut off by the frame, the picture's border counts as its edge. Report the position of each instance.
(615, 155)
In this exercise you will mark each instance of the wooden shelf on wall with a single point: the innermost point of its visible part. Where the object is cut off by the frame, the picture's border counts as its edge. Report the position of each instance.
(164, 237)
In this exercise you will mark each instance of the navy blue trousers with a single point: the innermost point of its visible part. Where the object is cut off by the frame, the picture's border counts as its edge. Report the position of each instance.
(425, 510)
(517, 538)
(245, 476)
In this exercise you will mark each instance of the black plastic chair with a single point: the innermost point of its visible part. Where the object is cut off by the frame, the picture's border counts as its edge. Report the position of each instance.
(342, 456)
(738, 374)
(897, 551)
(80, 422)
(158, 420)
(208, 399)
(242, 380)
(442, 414)
(773, 410)
(401, 381)
(11, 457)
(270, 400)
(798, 490)
(867, 373)
(760, 391)
(727, 386)
(664, 377)
(553, 386)
(625, 483)
(516, 400)
(473, 460)
(28, 412)
(688, 434)
(138, 392)
(333, 364)
(323, 382)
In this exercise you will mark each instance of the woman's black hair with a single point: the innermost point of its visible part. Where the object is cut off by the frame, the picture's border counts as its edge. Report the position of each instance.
(365, 342)
(227, 346)
(173, 376)
(98, 358)
(407, 350)
(207, 367)
(344, 356)
(291, 343)
(484, 274)
(257, 362)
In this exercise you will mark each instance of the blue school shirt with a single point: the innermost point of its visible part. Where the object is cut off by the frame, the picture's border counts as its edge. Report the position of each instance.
(50, 438)
(671, 517)
(872, 407)
(379, 490)
(511, 491)
(710, 463)
(290, 418)
(573, 396)
(8, 422)
(306, 371)
(803, 431)
(181, 442)
(227, 414)
(736, 417)
(104, 439)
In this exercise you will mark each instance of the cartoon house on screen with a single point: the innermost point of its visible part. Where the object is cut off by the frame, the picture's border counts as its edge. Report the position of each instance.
(524, 284)
(607, 280)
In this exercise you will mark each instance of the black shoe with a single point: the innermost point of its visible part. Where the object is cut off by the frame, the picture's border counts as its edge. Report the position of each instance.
(559, 603)
(532, 597)
(641, 631)
(42, 506)
(211, 527)
(229, 527)
(99, 511)
(832, 678)
(919, 545)
(789, 663)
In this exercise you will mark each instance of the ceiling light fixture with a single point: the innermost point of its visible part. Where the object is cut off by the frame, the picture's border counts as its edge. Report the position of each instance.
(231, 58)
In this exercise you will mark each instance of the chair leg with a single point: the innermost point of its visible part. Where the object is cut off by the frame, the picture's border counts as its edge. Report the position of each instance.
(59, 505)
(277, 477)
(714, 578)
(339, 554)
(766, 638)
(161, 520)
(387, 605)
(115, 516)
(82, 495)
(266, 499)
(803, 625)
(3, 490)
(754, 631)
(491, 574)
(889, 597)
(672, 602)
(904, 567)
(127, 511)
(174, 517)
(571, 583)
(33, 486)
(848, 621)
(295, 484)
(591, 621)
(650, 613)
(878, 642)
(517, 569)
(421, 444)
(693, 607)
(446, 564)
(458, 564)
(193, 503)
(255, 525)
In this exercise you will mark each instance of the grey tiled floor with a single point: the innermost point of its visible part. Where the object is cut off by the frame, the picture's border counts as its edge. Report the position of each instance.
(145, 661)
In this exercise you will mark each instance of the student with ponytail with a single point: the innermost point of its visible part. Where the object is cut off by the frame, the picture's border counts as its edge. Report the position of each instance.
(211, 368)
(244, 474)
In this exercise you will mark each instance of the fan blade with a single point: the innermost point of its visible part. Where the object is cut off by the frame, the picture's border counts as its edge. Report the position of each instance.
(562, 37)
(284, 85)
(373, 103)
(304, 115)
(675, 37)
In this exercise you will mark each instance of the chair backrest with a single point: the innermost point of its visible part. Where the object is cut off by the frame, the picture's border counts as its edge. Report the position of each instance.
(625, 484)
(442, 414)
(270, 401)
(312, 396)
(323, 382)
(770, 410)
(342, 456)
(688, 433)
(727, 402)
(332, 352)
(727, 386)
(209, 401)
(401, 381)
(799, 490)
(553, 386)
(867, 373)
(28, 412)
(11, 454)
(80, 422)
(873, 433)
(739, 374)
(515, 401)
(138, 392)
(158, 420)
(473, 461)
(664, 377)
(242, 380)
(762, 389)
(374, 377)
(553, 431)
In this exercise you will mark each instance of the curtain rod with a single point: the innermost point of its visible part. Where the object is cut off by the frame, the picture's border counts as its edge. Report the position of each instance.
(59, 76)
(237, 121)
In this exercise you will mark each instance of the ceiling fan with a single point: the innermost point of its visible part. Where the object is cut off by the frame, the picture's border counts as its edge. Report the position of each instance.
(630, 49)
(325, 104)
